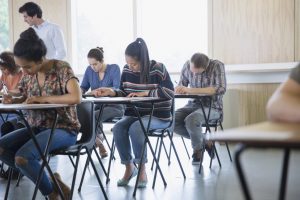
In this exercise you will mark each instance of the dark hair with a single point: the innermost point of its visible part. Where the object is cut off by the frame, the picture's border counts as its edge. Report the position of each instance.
(139, 51)
(29, 46)
(7, 61)
(200, 60)
(31, 9)
(96, 53)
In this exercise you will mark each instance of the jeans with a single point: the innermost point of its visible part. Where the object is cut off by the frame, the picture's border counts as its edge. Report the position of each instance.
(19, 144)
(109, 112)
(189, 120)
(130, 127)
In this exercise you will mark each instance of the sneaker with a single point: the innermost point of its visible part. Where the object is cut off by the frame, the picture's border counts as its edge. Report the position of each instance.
(64, 188)
(197, 156)
(209, 147)
(102, 151)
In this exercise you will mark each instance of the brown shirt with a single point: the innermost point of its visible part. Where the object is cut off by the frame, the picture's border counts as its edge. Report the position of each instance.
(55, 84)
(295, 73)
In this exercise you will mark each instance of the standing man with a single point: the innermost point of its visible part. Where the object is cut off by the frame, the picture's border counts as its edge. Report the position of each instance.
(204, 76)
(50, 33)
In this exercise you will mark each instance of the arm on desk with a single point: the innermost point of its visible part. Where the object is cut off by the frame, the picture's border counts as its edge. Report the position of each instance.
(73, 96)
(284, 105)
(186, 90)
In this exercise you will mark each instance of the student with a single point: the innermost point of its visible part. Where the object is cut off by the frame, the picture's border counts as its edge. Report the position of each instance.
(98, 75)
(140, 77)
(10, 77)
(50, 33)
(45, 81)
(284, 105)
(11, 73)
(207, 76)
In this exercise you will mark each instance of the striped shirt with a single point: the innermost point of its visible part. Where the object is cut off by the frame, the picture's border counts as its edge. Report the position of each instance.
(160, 85)
(213, 76)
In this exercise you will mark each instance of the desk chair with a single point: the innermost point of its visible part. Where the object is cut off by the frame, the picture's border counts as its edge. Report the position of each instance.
(161, 134)
(85, 145)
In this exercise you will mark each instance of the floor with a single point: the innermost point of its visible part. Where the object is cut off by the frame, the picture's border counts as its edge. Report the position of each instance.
(262, 169)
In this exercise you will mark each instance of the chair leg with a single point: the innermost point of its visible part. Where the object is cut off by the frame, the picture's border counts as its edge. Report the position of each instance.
(229, 154)
(10, 171)
(158, 158)
(201, 161)
(97, 175)
(83, 174)
(19, 179)
(75, 174)
(100, 161)
(155, 151)
(187, 152)
(216, 152)
(110, 159)
(164, 146)
(71, 161)
(176, 154)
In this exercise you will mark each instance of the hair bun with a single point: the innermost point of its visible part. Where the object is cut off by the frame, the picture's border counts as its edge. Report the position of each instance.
(100, 49)
(29, 34)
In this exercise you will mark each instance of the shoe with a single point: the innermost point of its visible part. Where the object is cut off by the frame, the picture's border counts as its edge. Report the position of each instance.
(123, 182)
(64, 188)
(142, 184)
(102, 151)
(209, 147)
(197, 156)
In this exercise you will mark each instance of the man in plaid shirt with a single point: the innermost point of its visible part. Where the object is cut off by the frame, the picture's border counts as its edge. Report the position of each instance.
(200, 75)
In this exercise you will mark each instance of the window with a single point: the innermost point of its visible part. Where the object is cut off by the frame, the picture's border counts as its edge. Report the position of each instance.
(4, 25)
(172, 29)
(107, 24)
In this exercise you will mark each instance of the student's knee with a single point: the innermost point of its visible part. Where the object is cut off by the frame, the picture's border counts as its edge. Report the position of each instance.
(20, 161)
(192, 121)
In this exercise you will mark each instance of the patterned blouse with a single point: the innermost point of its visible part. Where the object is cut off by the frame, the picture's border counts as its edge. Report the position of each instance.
(213, 76)
(55, 84)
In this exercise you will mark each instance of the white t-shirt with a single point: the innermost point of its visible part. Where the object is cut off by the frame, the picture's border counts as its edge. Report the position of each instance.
(53, 38)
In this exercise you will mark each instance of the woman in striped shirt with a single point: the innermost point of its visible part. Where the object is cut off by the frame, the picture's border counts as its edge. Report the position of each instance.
(141, 77)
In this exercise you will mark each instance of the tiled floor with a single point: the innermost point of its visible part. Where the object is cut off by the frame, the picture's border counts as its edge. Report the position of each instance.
(262, 169)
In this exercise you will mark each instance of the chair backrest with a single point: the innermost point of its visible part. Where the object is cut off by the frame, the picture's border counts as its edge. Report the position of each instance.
(85, 113)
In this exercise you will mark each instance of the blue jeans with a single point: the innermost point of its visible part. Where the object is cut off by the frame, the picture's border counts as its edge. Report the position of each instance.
(129, 126)
(19, 144)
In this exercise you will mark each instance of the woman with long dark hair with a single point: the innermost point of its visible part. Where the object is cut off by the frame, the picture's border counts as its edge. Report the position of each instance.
(44, 81)
(141, 77)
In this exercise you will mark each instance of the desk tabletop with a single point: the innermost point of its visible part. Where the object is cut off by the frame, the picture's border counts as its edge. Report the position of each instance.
(30, 106)
(192, 95)
(123, 99)
(265, 133)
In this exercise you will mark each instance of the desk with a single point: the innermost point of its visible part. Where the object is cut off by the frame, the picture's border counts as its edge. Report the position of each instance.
(17, 109)
(263, 135)
(133, 101)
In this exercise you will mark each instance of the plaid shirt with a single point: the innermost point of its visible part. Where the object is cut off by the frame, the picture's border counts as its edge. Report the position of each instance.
(213, 76)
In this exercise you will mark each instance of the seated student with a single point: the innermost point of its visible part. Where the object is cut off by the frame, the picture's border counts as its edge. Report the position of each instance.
(44, 81)
(11, 73)
(141, 77)
(207, 76)
(98, 75)
(284, 105)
